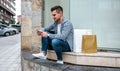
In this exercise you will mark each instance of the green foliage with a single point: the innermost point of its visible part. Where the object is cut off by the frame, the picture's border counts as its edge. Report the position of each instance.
(13, 21)
(18, 22)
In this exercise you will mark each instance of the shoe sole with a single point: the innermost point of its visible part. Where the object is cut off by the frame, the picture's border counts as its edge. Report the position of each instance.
(40, 57)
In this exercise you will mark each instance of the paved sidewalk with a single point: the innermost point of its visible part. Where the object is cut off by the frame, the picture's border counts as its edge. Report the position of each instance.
(10, 58)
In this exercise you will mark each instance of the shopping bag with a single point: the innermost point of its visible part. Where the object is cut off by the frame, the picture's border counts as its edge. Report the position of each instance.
(78, 38)
(89, 44)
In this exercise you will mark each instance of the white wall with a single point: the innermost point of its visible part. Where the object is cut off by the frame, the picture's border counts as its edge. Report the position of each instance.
(102, 16)
(50, 3)
(66, 8)
(47, 10)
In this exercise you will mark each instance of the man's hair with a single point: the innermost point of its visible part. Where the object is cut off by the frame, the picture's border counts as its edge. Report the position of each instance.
(57, 8)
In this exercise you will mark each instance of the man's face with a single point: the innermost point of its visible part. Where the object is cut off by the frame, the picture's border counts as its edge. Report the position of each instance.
(56, 15)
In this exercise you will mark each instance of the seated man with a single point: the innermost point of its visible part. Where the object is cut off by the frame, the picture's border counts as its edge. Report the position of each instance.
(62, 38)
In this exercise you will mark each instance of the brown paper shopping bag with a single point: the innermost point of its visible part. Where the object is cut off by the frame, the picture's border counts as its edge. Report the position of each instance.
(89, 44)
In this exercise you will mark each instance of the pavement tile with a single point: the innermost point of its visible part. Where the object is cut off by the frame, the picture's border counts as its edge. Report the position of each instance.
(10, 55)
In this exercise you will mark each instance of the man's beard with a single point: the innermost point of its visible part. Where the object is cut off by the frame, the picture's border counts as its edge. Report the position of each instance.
(57, 20)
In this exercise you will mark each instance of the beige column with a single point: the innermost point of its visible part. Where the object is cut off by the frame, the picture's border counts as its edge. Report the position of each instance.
(31, 21)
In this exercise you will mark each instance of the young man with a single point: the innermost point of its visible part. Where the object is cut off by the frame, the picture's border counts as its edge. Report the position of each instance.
(62, 38)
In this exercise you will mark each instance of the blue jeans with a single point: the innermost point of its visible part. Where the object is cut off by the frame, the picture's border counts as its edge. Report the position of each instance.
(57, 45)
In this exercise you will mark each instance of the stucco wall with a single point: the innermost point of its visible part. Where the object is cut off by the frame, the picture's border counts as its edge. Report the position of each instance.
(102, 16)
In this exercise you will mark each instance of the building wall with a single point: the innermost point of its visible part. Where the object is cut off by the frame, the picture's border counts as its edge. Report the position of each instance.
(19, 19)
(66, 7)
(102, 16)
(47, 13)
(7, 11)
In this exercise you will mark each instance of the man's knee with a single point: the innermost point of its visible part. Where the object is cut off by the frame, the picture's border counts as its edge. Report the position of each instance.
(55, 42)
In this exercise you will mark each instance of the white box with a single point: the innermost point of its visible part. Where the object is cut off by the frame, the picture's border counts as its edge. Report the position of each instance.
(78, 38)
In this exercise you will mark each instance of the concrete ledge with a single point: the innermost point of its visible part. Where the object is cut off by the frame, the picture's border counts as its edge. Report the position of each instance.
(29, 63)
(108, 59)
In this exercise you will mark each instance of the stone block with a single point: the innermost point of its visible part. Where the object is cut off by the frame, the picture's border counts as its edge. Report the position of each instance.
(51, 55)
(36, 18)
(25, 0)
(36, 48)
(100, 59)
(35, 38)
(36, 4)
(26, 9)
(43, 68)
(36, 41)
(54, 70)
(117, 62)
(26, 65)
(26, 43)
(36, 67)
(26, 29)
(96, 61)
(69, 58)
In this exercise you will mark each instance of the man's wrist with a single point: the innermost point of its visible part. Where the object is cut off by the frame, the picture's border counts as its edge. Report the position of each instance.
(48, 34)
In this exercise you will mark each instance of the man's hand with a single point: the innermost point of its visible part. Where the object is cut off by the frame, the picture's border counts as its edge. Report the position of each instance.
(39, 32)
(44, 34)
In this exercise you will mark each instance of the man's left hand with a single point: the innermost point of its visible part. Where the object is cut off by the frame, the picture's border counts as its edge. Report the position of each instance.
(44, 34)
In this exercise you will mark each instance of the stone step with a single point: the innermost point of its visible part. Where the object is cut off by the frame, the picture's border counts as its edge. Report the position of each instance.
(108, 59)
